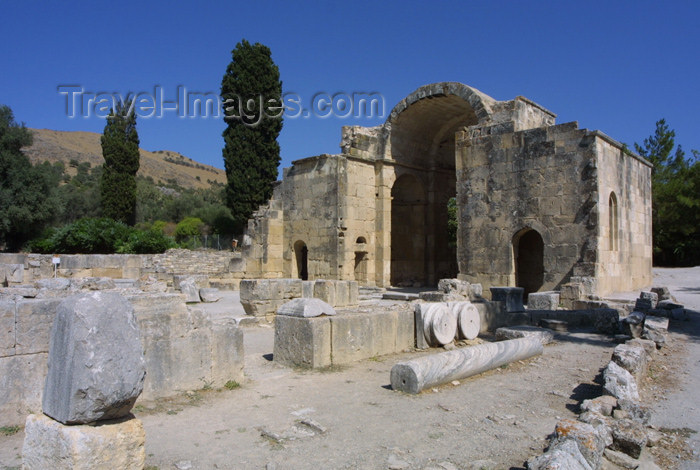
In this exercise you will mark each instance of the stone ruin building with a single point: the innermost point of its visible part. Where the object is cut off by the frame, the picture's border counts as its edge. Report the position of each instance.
(539, 204)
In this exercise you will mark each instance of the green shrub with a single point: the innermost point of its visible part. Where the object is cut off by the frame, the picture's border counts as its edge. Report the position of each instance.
(188, 227)
(146, 241)
(87, 235)
(159, 226)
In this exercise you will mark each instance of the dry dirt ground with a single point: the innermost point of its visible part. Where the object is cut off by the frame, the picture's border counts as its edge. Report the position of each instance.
(496, 420)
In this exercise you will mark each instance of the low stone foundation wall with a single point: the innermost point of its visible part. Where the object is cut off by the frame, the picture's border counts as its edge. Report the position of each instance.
(184, 349)
(219, 266)
(347, 337)
(262, 297)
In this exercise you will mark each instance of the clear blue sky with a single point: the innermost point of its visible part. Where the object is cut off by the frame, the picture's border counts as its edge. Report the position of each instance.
(613, 66)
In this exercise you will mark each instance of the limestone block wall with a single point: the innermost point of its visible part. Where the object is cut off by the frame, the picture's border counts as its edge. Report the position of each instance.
(263, 243)
(309, 193)
(625, 232)
(357, 210)
(522, 113)
(184, 350)
(220, 266)
(262, 297)
(38, 266)
(512, 182)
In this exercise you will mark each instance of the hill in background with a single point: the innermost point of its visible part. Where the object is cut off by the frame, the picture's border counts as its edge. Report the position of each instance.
(162, 165)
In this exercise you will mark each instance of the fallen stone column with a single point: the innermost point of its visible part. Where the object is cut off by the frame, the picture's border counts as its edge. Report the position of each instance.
(415, 375)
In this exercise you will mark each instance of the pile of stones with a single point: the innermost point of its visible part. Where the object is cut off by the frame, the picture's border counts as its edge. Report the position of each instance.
(95, 374)
(615, 426)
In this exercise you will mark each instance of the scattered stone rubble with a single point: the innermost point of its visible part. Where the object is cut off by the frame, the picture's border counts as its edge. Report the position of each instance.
(614, 428)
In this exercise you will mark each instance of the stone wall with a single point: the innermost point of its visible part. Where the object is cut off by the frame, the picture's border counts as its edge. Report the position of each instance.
(511, 183)
(184, 349)
(624, 237)
(357, 216)
(310, 192)
(220, 266)
(533, 201)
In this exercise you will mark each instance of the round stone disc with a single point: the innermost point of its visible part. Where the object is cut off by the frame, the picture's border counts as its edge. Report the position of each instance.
(468, 321)
(444, 326)
(427, 324)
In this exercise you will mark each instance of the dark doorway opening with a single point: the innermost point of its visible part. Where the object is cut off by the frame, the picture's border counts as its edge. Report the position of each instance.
(301, 253)
(408, 232)
(529, 261)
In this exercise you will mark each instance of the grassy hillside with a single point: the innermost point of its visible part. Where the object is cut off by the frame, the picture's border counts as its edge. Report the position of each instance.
(161, 165)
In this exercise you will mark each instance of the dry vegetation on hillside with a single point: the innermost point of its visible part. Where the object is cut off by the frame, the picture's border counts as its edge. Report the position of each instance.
(161, 165)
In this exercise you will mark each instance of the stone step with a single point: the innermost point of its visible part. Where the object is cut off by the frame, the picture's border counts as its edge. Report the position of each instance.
(399, 296)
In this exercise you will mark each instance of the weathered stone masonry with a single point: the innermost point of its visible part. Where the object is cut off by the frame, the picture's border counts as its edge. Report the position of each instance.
(540, 204)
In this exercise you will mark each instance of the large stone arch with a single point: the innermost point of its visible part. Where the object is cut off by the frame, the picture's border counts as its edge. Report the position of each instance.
(422, 139)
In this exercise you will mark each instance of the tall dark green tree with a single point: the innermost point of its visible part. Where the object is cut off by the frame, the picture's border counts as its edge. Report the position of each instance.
(120, 149)
(675, 198)
(252, 94)
(26, 192)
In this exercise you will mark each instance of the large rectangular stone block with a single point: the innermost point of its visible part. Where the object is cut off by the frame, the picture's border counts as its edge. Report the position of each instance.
(177, 344)
(342, 294)
(74, 262)
(33, 324)
(21, 385)
(405, 330)
(7, 328)
(201, 281)
(493, 315)
(326, 291)
(570, 293)
(302, 342)
(511, 296)
(383, 329)
(353, 293)
(14, 273)
(351, 337)
(307, 289)
(543, 300)
(50, 444)
(261, 297)
(227, 352)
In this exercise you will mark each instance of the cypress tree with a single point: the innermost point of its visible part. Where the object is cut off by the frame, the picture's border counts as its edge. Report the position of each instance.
(252, 94)
(120, 149)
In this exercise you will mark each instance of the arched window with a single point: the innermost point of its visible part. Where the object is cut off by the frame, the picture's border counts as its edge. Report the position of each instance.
(613, 223)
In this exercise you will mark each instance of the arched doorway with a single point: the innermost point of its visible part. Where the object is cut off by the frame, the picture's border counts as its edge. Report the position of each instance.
(408, 234)
(301, 254)
(422, 142)
(528, 248)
